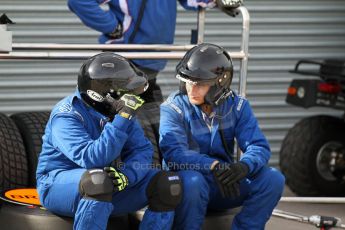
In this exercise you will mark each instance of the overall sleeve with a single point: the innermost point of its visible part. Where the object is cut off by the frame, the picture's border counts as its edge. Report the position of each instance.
(174, 143)
(71, 138)
(194, 4)
(92, 15)
(137, 155)
(252, 142)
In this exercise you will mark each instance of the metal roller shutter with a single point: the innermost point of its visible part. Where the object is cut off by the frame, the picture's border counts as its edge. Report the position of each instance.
(282, 32)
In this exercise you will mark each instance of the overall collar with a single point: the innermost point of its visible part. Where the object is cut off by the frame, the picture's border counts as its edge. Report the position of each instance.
(94, 114)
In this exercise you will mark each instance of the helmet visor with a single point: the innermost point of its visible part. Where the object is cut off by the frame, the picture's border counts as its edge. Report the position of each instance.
(195, 81)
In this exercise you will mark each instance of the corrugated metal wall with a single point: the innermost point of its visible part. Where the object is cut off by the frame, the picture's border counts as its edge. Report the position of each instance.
(282, 32)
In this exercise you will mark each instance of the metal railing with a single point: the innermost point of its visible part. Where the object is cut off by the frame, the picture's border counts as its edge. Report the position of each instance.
(157, 51)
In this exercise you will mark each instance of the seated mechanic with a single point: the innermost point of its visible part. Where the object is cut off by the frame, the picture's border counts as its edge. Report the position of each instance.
(197, 130)
(89, 130)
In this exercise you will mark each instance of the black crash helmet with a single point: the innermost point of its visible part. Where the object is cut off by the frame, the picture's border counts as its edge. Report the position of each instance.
(109, 73)
(207, 64)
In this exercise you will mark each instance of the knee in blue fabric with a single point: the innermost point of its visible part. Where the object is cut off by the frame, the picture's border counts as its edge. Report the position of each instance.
(164, 191)
(273, 181)
(96, 185)
(195, 185)
(277, 180)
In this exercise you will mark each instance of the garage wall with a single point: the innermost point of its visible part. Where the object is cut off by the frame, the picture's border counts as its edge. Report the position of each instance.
(282, 32)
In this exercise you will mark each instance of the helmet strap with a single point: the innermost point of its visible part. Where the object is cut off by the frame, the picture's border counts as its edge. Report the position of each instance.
(209, 98)
(182, 87)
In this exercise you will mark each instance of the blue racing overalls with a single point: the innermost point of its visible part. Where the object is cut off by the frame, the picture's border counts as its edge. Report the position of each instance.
(78, 138)
(189, 141)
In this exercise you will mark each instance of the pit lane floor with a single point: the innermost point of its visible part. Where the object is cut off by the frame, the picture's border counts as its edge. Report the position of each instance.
(305, 209)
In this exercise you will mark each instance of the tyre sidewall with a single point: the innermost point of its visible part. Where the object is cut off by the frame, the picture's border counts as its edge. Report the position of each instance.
(298, 155)
(331, 131)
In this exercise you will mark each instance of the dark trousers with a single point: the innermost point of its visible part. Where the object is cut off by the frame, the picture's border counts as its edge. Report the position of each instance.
(149, 114)
(154, 92)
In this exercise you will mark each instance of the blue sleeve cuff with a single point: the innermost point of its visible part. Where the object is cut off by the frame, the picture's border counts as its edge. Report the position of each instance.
(249, 164)
(131, 176)
(121, 123)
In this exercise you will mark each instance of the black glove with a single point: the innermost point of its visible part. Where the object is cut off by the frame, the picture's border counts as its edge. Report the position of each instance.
(120, 181)
(232, 190)
(126, 106)
(117, 33)
(228, 6)
(228, 176)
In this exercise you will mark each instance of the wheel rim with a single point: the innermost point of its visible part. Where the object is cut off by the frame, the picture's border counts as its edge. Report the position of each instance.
(326, 159)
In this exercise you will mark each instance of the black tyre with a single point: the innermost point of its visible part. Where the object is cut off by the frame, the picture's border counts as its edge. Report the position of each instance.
(307, 152)
(20, 217)
(13, 162)
(214, 219)
(31, 126)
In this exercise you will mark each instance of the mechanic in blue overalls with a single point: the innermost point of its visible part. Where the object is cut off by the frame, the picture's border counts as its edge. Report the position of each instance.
(136, 22)
(197, 130)
(89, 130)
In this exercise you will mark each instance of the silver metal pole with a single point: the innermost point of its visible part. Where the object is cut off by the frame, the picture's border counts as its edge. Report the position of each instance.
(201, 25)
(245, 50)
(84, 55)
(289, 215)
(244, 61)
(53, 46)
(316, 220)
(328, 200)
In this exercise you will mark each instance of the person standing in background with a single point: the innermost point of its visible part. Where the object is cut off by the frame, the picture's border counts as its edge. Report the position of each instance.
(136, 22)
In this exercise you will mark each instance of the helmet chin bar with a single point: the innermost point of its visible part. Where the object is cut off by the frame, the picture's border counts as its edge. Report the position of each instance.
(224, 96)
(216, 100)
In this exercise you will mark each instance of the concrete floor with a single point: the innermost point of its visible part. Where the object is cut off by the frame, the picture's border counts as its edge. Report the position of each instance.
(220, 221)
(305, 209)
